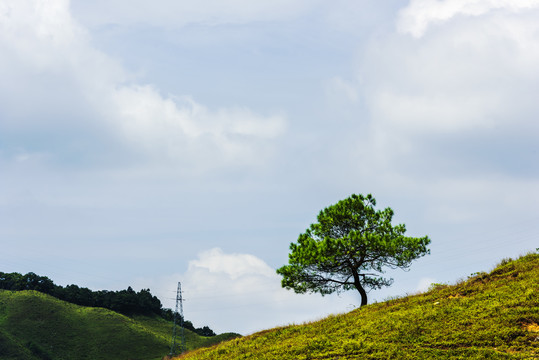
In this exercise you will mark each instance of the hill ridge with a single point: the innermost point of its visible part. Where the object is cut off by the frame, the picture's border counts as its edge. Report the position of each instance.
(37, 326)
(487, 316)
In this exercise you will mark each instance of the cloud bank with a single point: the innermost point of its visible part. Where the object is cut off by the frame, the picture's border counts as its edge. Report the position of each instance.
(94, 95)
(457, 93)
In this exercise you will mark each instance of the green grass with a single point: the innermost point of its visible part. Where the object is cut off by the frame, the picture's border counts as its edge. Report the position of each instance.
(163, 329)
(37, 326)
(488, 316)
(11, 349)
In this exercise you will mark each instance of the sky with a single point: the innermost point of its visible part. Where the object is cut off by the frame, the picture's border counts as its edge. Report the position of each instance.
(146, 143)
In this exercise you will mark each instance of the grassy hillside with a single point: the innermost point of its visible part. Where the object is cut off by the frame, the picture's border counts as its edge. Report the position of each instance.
(37, 326)
(488, 316)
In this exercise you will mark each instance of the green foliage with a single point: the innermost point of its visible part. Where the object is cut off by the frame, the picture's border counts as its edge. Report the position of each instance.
(36, 326)
(349, 248)
(127, 302)
(205, 331)
(437, 286)
(490, 316)
(168, 314)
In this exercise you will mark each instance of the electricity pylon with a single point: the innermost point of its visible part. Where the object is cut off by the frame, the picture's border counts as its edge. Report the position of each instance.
(179, 305)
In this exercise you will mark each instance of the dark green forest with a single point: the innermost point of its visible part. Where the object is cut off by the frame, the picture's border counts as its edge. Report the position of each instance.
(127, 302)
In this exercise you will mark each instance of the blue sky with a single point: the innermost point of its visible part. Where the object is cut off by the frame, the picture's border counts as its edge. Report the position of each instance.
(145, 143)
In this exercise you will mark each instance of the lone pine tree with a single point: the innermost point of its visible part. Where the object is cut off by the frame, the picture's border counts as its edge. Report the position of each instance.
(350, 247)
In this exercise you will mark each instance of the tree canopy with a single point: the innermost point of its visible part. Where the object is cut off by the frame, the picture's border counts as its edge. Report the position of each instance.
(350, 247)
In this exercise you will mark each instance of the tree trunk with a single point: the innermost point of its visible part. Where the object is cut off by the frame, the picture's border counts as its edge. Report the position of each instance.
(363, 294)
(359, 288)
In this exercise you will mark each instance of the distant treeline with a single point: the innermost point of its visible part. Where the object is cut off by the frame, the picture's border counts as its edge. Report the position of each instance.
(168, 314)
(127, 302)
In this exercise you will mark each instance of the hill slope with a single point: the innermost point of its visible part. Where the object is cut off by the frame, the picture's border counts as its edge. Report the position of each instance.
(489, 316)
(38, 326)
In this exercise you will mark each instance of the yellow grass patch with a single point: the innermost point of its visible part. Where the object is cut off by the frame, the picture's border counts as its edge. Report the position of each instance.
(533, 327)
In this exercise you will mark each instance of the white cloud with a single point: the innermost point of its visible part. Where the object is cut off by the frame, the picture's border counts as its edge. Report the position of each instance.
(42, 44)
(241, 293)
(463, 77)
(232, 265)
(472, 77)
(174, 125)
(420, 14)
(25, 23)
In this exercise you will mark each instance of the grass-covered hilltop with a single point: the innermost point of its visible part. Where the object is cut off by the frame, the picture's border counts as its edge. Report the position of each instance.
(488, 316)
(38, 326)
